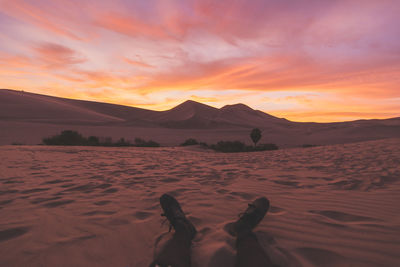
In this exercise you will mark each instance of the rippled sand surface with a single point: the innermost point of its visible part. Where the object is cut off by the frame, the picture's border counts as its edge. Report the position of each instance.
(81, 206)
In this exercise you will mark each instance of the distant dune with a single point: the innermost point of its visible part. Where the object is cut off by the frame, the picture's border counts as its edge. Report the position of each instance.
(27, 118)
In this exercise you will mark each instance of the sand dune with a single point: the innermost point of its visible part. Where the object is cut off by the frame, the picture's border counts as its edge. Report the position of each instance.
(42, 116)
(21, 106)
(83, 206)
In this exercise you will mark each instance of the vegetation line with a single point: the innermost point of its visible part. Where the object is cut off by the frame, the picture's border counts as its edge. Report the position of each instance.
(73, 138)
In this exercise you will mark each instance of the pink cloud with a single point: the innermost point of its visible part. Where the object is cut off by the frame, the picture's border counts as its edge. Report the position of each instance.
(137, 63)
(57, 56)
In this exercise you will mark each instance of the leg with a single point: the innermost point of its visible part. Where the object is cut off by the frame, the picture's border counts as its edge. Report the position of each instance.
(250, 253)
(176, 252)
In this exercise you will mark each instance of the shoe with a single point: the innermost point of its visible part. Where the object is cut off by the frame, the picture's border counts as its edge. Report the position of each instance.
(250, 218)
(174, 214)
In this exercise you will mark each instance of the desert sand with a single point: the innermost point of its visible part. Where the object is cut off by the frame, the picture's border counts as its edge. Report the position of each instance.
(93, 206)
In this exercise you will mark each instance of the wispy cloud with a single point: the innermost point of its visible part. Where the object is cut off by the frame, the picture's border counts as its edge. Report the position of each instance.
(57, 56)
(137, 63)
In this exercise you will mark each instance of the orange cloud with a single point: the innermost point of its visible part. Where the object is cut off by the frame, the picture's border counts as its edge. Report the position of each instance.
(128, 25)
(57, 56)
(137, 63)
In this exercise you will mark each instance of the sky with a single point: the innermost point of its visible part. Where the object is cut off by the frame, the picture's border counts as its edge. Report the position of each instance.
(305, 60)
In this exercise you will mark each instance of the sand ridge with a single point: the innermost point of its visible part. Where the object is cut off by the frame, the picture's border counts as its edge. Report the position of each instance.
(92, 206)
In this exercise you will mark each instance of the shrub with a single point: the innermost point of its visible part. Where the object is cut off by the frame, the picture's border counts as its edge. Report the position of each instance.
(237, 146)
(66, 138)
(230, 146)
(17, 144)
(264, 147)
(190, 142)
(203, 144)
(143, 143)
(106, 142)
(307, 145)
(93, 141)
(122, 142)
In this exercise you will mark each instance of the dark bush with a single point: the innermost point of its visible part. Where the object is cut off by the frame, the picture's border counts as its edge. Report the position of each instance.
(237, 146)
(263, 147)
(203, 144)
(93, 141)
(190, 142)
(107, 142)
(66, 138)
(143, 143)
(152, 143)
(307, 145)
(17, 144)
(230, 146)
(73, 138)
(122, 142)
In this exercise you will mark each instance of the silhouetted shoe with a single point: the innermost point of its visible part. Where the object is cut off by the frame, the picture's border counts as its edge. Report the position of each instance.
(249, 219)
(176, 217)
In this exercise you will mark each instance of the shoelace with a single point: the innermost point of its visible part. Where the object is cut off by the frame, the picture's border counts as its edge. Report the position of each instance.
(166, 219)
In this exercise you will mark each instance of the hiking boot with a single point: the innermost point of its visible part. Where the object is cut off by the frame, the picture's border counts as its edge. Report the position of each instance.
(250, 218)
(177, 219)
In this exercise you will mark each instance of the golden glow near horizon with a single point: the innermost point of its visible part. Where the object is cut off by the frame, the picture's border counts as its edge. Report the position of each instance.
(302, 60)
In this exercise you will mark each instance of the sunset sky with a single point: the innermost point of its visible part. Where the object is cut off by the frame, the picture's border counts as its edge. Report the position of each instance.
(303, 60)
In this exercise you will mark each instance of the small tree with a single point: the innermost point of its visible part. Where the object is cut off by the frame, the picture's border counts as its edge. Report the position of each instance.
(255, 135)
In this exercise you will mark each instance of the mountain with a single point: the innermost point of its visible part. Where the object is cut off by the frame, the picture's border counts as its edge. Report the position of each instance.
(28, 117)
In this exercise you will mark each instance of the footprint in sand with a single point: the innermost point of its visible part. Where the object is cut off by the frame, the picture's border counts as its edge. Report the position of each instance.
(12, 233)
(206, 204)
(86, 188)
(98, 212)
(67, 185)
(274, 210)
(111, 190)
(35, 190)
(142, 215)
(287, 183)
(104, 186)
(55, 204)
(5, 202)
(56, 181)
(243, 195)
(102, 202)
(13, 182)
(12, 191)
(169, 180)
(222, 191)
(41, 199)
